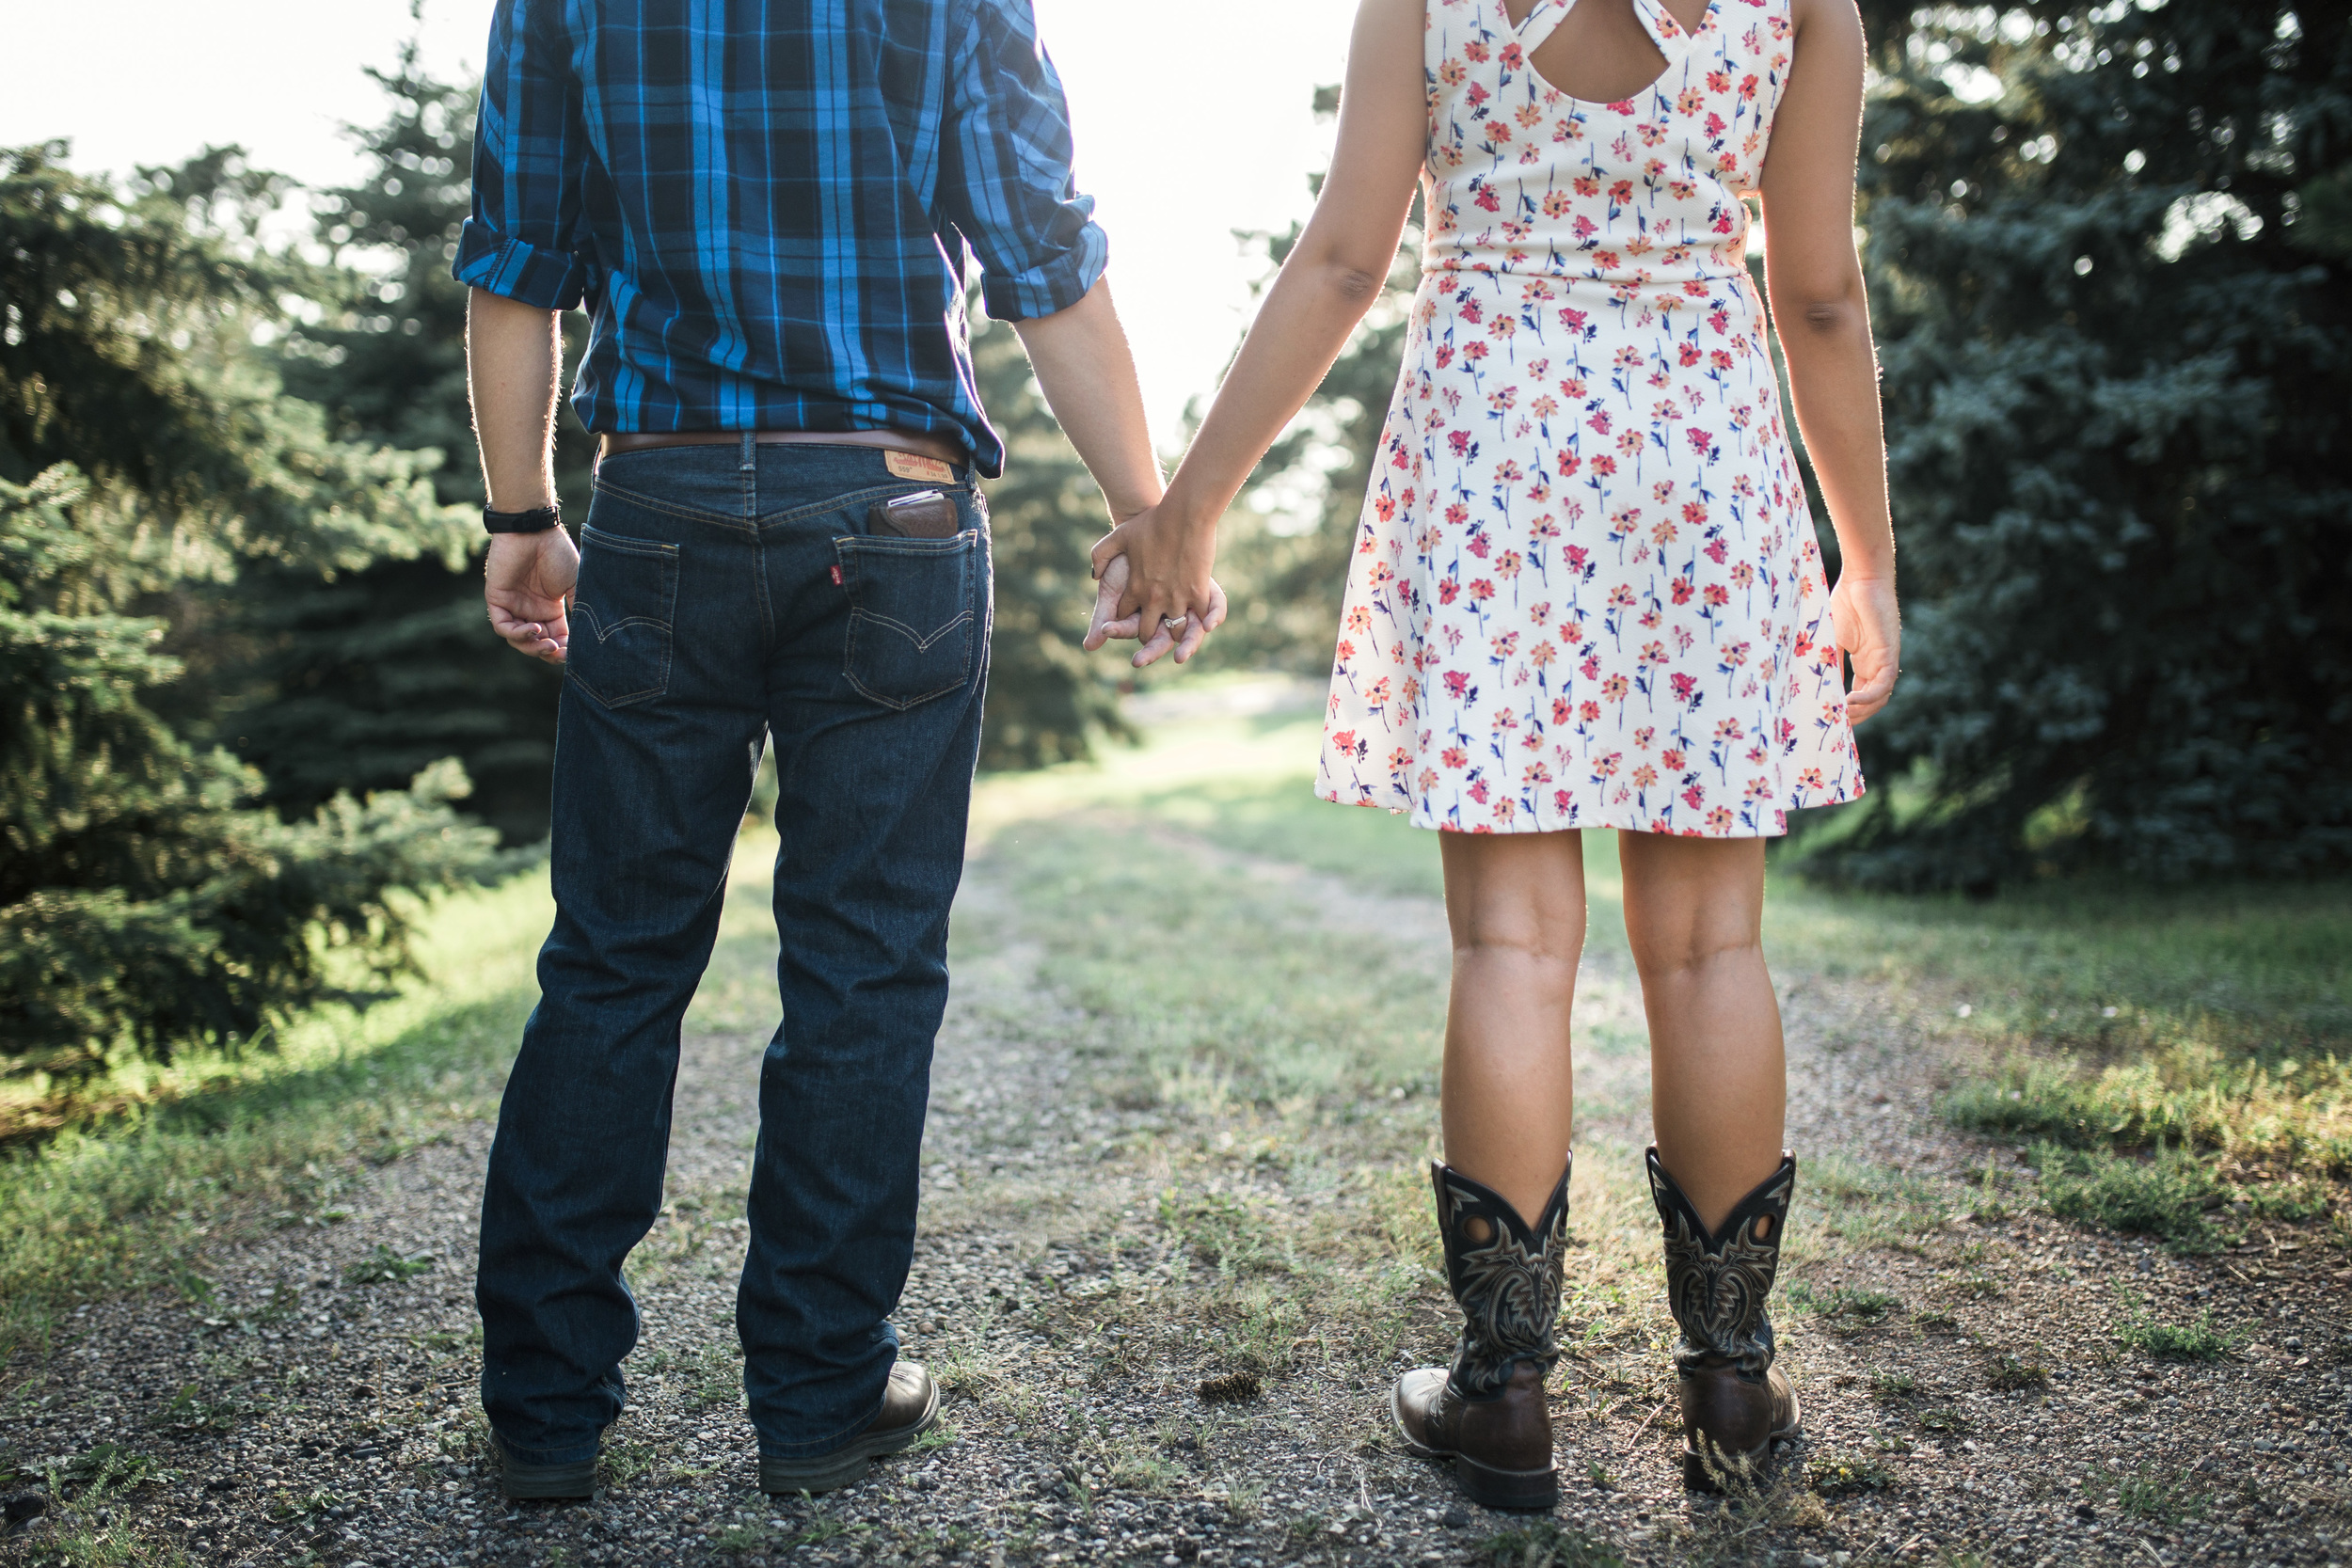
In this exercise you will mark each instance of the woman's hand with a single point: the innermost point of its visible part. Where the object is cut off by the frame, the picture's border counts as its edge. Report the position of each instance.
(1108, 624)
(1167, 591)
(1868, 626)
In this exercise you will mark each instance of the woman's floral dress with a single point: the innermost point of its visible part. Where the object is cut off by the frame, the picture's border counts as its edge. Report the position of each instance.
(1586, 592)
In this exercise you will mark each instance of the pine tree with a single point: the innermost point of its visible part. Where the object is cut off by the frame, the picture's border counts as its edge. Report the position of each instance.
(2112, 281)
(358, 683)
(146, 459)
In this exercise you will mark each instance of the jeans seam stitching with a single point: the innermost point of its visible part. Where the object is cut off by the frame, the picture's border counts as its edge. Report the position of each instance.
(634, 497)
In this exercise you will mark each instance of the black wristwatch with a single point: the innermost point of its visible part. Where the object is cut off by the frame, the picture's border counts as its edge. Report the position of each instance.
(537, 520)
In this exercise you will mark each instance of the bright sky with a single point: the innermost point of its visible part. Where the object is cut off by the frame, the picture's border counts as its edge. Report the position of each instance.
(1192, 121)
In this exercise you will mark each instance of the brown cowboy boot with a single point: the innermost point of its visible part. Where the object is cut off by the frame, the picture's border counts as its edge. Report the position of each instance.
(1487, 1412)
(1736, 1405)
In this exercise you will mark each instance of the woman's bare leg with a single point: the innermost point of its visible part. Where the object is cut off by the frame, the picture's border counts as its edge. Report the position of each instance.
(1516, 903)
(1719, 1090)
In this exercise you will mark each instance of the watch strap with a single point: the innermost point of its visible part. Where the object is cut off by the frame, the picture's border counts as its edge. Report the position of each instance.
(537, 520)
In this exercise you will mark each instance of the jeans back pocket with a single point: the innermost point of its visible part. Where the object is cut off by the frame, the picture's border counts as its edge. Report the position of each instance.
(621, 608)
(914, 614)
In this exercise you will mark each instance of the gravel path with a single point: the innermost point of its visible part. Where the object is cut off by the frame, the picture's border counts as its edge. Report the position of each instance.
(1968, 1397)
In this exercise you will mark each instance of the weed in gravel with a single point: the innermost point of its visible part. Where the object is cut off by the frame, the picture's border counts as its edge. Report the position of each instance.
(307, 1505)
(2163, 1195)
(714, 1374)
(1946, 1422)
(819, 1529)
(745, 1536)
(2149, 1494)
(1137, 1469)
(2011, 1371)
(942, 1435)
(1886, 1383)
(1541, 1544)
(107, 1467)
(1847, 1472)
(2200, 1341)
(89, 1533)
(1222, 1231)
(1860, 1307)
(385, 1266)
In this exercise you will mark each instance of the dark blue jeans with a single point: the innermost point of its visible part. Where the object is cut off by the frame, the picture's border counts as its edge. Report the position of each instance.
(726, 592)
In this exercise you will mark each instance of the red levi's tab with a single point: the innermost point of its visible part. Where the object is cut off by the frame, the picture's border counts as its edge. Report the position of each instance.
(836, 575)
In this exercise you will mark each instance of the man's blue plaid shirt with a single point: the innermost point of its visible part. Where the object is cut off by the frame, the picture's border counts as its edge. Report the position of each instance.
(767, 204)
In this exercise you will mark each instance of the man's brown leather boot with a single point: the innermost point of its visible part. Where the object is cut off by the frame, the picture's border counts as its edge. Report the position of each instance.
(1487, 1412)
(1736, 1405)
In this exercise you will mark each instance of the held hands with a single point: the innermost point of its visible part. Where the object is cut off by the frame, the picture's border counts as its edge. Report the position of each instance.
(1155, 587)
(528, 586)
(1869, 628)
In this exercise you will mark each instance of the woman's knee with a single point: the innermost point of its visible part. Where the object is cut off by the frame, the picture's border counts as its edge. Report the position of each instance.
(1691, 904)
(1521, 897)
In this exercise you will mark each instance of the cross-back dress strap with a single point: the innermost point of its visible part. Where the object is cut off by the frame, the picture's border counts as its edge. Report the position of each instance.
(1547, 15)
(1673, 38)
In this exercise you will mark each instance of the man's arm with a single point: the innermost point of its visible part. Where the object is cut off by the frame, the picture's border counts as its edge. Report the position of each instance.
(513, 352)
(1082, 362)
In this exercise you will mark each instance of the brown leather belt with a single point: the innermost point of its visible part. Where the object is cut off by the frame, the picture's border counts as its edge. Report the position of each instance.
(888, 440)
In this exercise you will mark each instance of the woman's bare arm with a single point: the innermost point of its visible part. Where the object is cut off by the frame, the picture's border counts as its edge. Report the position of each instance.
(1823, 318)
(1329, 280)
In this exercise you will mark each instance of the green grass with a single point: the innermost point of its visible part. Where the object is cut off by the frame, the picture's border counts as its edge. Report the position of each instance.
(2010, 1371)
(1842, 1473)
(2116, 1018)
(2165, 1195)
(2199, 1340)
(1843, 1303)
(2162, 1498)
(222, 1146)
(2179, 1057)
(1544, 1545)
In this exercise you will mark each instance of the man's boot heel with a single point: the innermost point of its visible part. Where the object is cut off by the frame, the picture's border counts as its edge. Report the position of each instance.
(1507, 1491)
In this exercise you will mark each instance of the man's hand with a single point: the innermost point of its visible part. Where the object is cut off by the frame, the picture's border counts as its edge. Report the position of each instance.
(1869, 628)
(528, 586)
(1108, 624)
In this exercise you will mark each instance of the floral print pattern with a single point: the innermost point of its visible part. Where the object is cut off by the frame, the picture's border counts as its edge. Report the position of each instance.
(1586, 590)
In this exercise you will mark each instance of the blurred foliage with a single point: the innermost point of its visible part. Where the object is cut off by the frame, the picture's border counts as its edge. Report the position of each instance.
(2113, 291)
(1046, 697)
(1283, 553)
(357, 683)
(148, 460)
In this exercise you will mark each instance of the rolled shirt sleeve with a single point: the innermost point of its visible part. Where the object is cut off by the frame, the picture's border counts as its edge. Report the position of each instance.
(1007, 180)
(530, 161)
